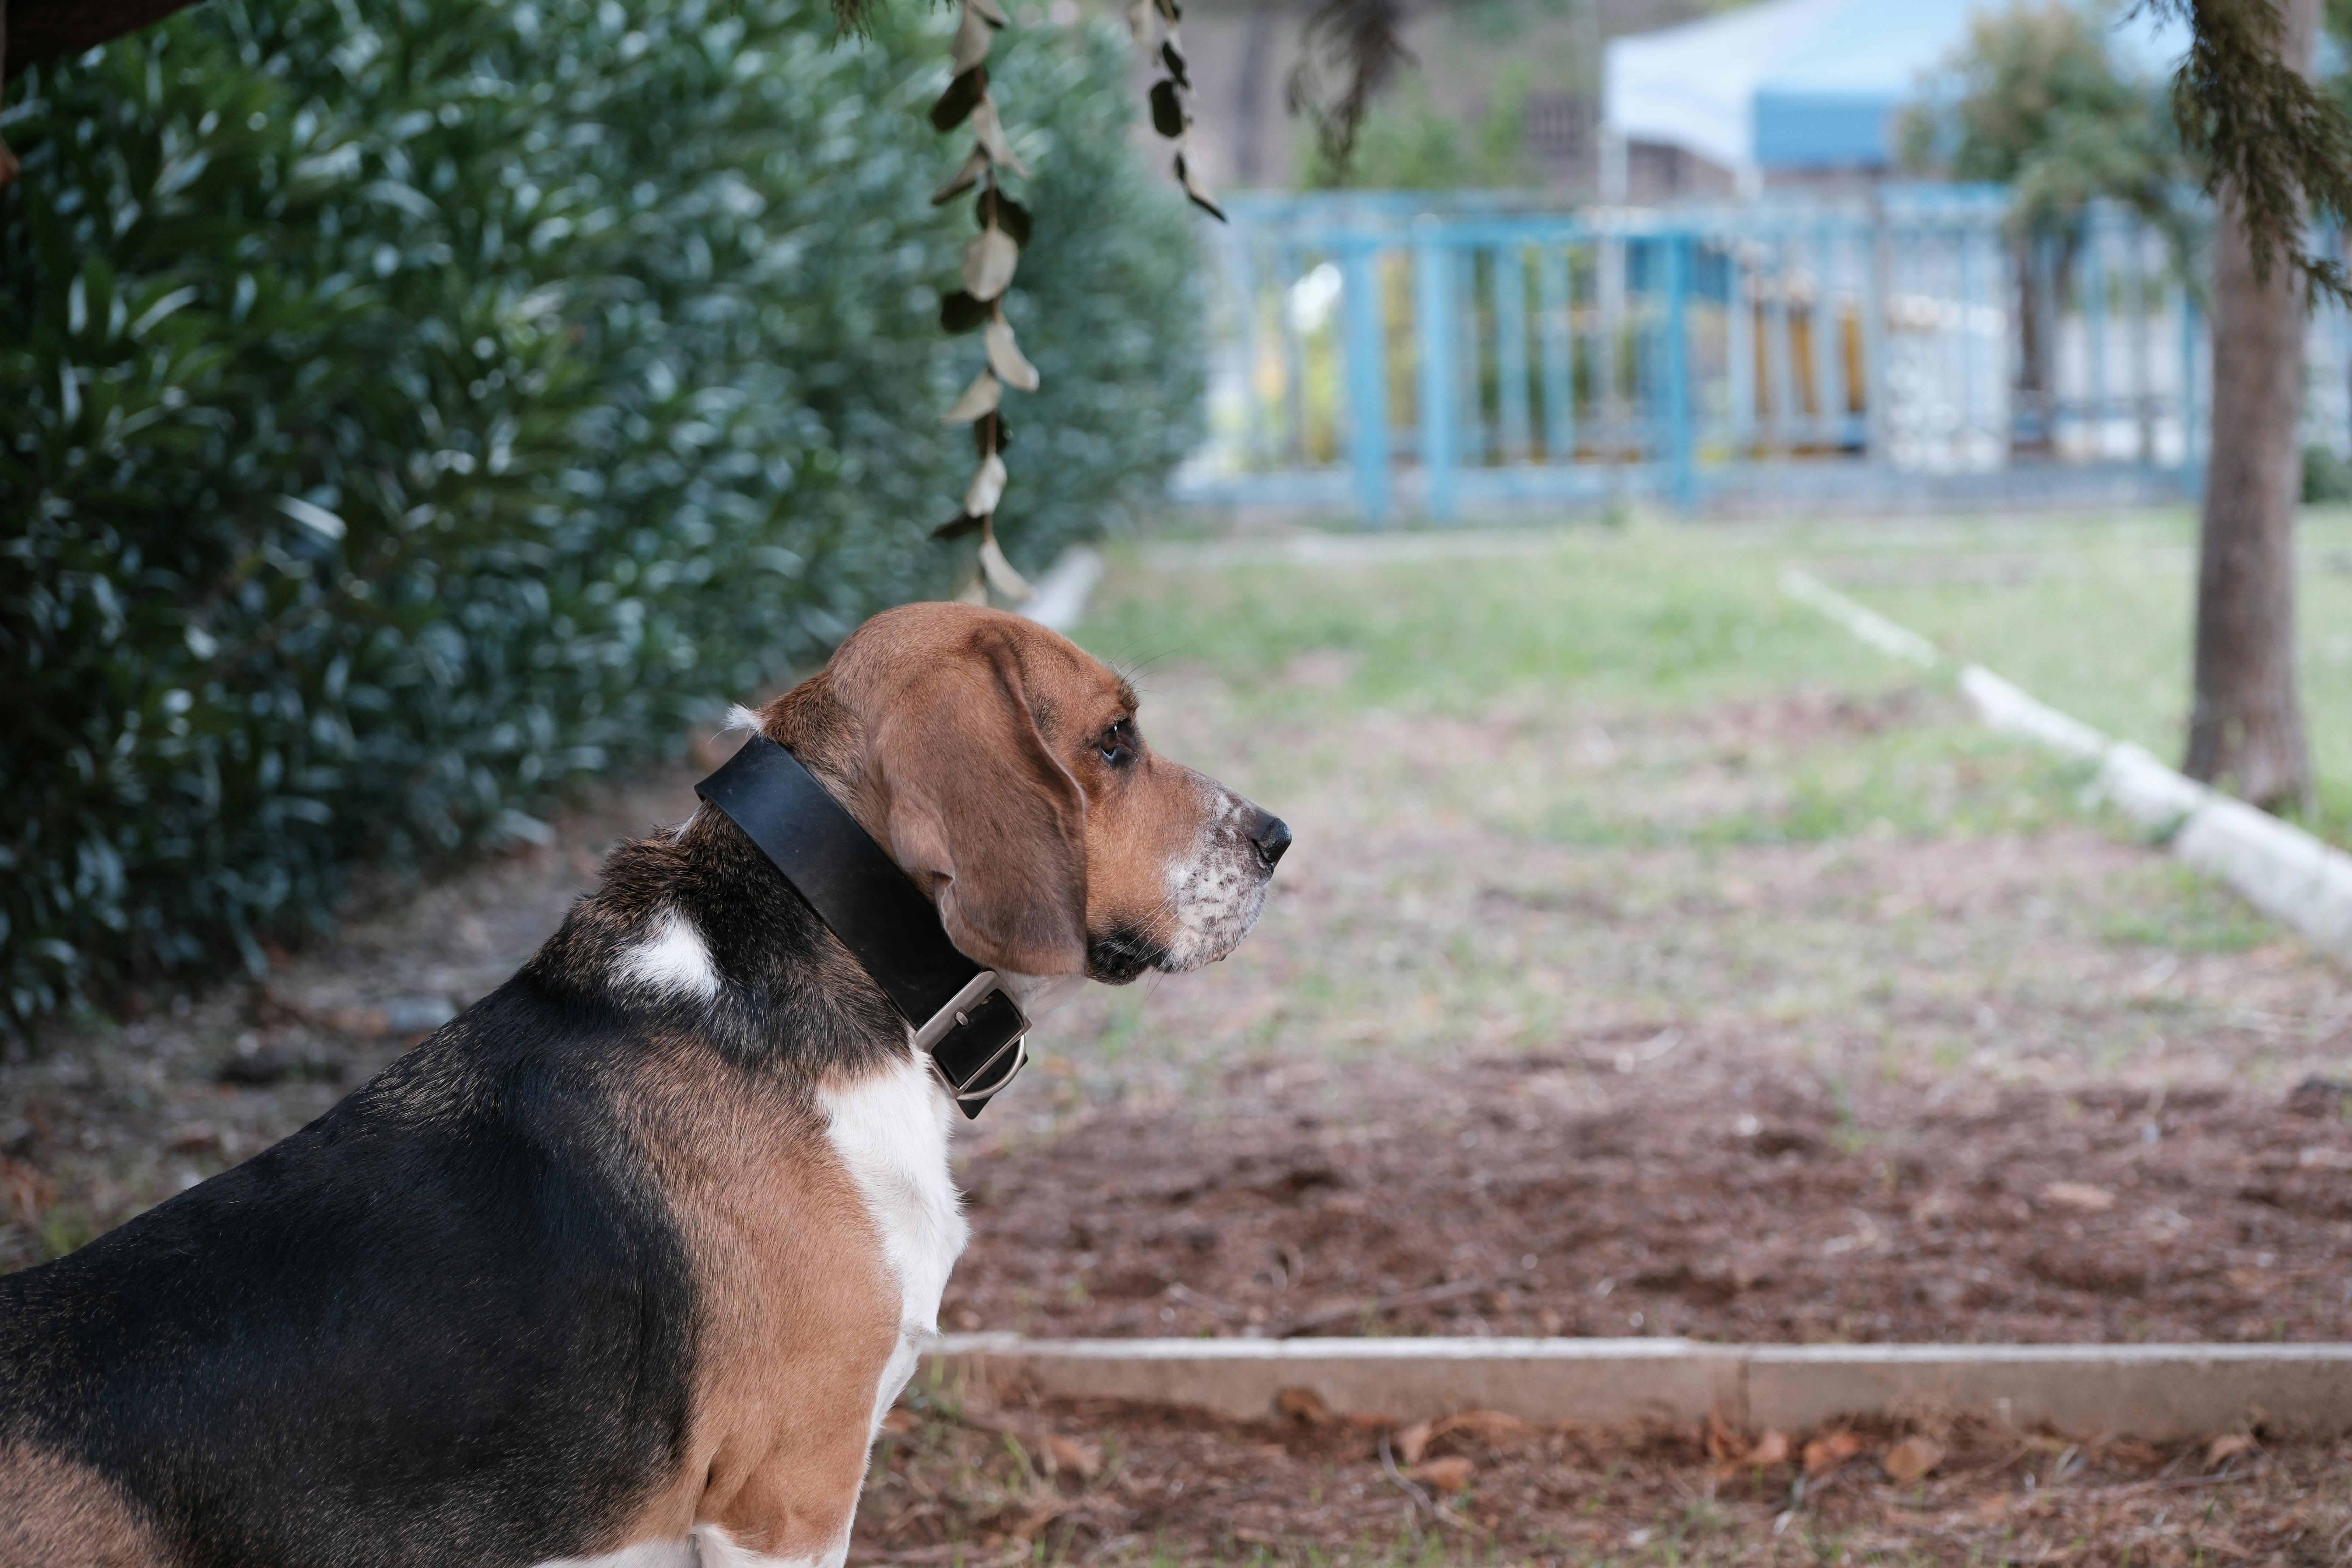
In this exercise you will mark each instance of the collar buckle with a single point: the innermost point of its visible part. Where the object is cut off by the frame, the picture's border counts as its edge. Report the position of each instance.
(977, 1043)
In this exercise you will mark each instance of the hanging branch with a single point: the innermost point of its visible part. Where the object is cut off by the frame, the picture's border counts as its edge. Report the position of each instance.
(1172, 113)
(989, 260)
(1358, 41)
(2279, 145)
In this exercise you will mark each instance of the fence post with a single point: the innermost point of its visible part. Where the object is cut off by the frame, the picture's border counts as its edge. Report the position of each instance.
(1684, 474)
(1368, 379)
(1432, 312)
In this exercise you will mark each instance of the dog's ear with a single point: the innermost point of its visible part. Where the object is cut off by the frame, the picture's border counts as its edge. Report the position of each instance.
(982, 816)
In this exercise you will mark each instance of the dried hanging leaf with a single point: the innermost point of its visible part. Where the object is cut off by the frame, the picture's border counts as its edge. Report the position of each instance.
(1197, 190)
(975, 592)
(991, 131)
(987, 487)
(988, 263)
(961, 314)
(975, 163)
(1001, 574)
(1171, 10)
(967, 92)
(960, 524)
(1139, 22)
(981, 398)
(1167, 110)
(1010, 216)
(972, 39)
(990, 11)
(1911, 1459)
(1174, 58)
(1004, 357)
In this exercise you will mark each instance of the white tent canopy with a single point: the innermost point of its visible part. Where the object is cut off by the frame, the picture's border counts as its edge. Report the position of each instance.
(1802, 83)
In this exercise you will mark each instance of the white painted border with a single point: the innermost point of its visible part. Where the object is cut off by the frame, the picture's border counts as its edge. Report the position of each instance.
(2277, 867)
(2151, 1391)
(1060, 599)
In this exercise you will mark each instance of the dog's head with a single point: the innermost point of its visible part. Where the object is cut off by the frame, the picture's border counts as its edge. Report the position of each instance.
(1003, 770)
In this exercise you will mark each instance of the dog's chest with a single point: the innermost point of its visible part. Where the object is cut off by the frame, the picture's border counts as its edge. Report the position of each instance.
(890, 1131)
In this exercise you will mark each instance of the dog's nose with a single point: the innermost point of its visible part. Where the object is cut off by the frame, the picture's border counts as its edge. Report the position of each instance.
(1272, 837)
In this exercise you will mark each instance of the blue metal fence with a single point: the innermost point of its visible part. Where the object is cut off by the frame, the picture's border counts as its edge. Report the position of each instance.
(1388, 351)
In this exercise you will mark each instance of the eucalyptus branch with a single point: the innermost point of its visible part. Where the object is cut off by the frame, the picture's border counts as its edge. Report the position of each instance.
(1154, 23)
(990, 259)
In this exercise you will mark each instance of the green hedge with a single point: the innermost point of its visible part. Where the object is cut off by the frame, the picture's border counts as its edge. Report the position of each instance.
(404, 424)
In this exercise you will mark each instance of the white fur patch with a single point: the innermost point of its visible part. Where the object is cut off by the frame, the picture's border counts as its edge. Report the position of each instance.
(891, 1128)
(1215, 892)
(673, 958)
(707, 1547)
(739, 718)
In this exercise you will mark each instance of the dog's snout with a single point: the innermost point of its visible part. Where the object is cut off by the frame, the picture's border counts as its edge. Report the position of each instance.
(1272, 837)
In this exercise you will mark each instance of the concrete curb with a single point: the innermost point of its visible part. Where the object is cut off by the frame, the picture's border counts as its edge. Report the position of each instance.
(1061, 592)
(2158, 1392)
(2275, 866)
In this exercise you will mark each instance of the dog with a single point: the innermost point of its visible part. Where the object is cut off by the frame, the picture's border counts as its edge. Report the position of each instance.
(625, 1265)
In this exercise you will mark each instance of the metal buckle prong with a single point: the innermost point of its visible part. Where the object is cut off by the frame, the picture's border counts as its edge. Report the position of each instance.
(953, 1014)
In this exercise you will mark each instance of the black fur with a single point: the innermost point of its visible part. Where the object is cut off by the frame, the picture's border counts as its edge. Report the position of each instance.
(451, 1321)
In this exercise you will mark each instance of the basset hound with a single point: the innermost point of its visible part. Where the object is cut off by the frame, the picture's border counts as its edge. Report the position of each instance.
(625, 1265)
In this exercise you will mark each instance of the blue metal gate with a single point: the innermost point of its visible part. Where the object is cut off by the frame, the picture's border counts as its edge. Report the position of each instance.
(1385, 352)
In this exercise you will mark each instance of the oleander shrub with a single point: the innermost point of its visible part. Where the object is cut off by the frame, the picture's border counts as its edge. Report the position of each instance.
(407, 412)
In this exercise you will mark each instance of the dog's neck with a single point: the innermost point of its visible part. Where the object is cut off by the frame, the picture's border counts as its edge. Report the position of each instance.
(697, 932)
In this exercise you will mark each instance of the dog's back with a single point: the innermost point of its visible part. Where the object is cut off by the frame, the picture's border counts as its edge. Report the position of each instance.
(446, 1323)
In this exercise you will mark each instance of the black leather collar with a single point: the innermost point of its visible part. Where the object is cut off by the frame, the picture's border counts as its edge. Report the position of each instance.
(973, 1032)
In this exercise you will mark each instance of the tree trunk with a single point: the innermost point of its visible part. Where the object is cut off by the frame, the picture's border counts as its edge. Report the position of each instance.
(2246, 728)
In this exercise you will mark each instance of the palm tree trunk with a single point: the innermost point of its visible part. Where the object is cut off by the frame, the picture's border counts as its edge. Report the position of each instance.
(2245, 727)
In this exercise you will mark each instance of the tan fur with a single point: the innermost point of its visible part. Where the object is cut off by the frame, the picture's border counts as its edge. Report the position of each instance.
(797, 1311)
(55, 1513)
(930, 708)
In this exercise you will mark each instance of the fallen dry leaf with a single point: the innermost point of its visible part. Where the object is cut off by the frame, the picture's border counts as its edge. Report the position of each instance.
(1724, 1445)
(1772, 1449)
(1488, 1425)
(1827, 1453)
(1911, 1459)
(900, 1420)
(1451, 1474)
(2228, 1446)
(1414, 1441)
(1081, 1460)
(1303, 1405)
(2079, 1195)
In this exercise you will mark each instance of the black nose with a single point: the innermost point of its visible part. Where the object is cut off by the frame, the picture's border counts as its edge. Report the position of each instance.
(1272, 837)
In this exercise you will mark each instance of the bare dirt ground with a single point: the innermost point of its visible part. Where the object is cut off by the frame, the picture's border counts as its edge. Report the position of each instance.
(1086, 1482)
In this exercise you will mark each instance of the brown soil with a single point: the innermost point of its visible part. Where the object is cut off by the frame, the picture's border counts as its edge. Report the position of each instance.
(1082, 1482)
(1628, 1186)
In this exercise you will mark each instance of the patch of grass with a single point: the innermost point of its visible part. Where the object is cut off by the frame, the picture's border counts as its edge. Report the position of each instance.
(2178, 910)
(2099, 619)
(1651, 616)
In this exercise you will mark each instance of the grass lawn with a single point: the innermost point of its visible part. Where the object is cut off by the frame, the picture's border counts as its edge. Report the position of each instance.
(2097, 618)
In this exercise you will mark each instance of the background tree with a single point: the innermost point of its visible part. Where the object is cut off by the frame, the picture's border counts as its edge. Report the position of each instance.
(2278, 147)
(2034, 101)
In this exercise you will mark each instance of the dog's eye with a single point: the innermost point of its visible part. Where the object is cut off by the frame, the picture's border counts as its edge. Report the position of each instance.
(1117, 743)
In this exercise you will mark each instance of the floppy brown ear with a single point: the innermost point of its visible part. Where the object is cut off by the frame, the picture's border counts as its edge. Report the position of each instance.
(982, 816)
